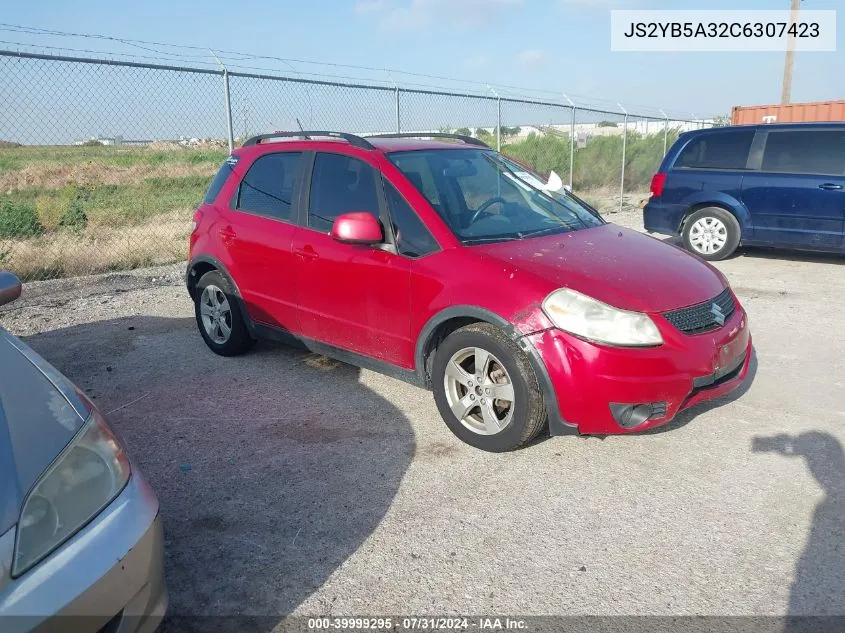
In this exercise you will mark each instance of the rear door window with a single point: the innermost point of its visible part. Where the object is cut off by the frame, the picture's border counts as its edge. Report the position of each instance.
(340, 184)
(718, 150)
(806, 152)
(269, 185)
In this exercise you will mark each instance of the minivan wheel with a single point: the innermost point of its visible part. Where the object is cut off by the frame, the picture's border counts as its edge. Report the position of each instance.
(486, 390)
(219, 316)
(711, 233)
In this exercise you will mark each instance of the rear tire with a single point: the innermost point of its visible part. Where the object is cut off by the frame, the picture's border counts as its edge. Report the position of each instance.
(711, 233)
(487, 422)
(219, 319)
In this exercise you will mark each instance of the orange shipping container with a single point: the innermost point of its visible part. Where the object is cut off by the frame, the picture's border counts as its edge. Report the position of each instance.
(790, 113)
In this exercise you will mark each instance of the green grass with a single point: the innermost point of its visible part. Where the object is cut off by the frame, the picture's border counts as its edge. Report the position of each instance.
(117, 155)
(599, 164)
(124, 205)
(118, 205)
(8, 162)
(128, 203)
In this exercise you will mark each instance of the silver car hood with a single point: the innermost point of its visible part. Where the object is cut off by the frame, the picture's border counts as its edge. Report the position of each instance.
(40, 412)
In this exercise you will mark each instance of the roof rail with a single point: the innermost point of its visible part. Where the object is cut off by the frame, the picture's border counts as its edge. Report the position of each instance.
(469, 140)
(356, 141)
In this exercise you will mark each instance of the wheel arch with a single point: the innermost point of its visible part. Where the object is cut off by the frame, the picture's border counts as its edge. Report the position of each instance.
(202, 264)
(726, 203)
(444, 323)
(439, 326)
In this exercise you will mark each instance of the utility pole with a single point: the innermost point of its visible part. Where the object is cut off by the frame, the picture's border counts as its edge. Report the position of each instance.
(786, 95)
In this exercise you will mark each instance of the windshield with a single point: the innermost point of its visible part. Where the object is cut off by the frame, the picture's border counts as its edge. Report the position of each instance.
(484, 197)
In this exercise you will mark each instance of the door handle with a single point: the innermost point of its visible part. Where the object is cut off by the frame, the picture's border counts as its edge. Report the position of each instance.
(829, 186)
(306, 252)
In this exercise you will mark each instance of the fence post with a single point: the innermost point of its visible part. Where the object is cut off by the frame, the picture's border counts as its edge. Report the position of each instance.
(571, 141)
(498, 123)
(228, 101)
(398, 123)
(665, 131)
(624, 150)
(498, 118)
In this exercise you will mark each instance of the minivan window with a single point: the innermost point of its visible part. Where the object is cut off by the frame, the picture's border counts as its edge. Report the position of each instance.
(805, 152)
(340, 184)
(267, 189)
(717, 150)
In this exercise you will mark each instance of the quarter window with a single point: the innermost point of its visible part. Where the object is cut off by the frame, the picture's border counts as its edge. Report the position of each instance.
(269, 185)
(412, 238)
(718, 150)
(220, 179)
(805, 152)
(340, 184)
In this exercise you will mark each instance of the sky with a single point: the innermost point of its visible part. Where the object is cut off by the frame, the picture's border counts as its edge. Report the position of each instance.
(517, 46)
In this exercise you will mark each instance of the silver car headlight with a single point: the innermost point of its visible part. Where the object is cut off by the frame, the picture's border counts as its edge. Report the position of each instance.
(591, 319)
(88, 474)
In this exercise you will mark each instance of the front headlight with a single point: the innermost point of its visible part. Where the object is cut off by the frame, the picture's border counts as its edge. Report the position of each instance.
(591, 319)
(88, 474)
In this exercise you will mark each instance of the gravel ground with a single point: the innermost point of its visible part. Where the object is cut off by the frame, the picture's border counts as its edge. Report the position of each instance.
(292, 484)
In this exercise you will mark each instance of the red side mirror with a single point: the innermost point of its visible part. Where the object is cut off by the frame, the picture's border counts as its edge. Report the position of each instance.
(357, 228)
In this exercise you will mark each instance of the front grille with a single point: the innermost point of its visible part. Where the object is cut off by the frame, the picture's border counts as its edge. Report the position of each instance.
(702, 317)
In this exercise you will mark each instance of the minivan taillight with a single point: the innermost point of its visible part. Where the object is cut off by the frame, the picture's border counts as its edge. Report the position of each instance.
(657, 182)
(195, 221)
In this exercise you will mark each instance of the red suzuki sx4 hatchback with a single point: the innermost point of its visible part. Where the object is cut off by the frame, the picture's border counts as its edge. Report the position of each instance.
(443, 263)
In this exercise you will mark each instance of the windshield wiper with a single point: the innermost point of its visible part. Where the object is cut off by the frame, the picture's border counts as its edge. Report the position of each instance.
(548, 229)
(469, 241)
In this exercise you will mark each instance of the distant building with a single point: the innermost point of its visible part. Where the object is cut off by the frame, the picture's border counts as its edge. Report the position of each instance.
(102, 140)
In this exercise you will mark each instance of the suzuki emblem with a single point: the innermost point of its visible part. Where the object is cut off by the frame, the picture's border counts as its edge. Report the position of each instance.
(717, 313)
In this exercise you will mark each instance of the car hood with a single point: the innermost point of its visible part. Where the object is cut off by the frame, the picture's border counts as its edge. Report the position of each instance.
(40, 412)
(619, 266)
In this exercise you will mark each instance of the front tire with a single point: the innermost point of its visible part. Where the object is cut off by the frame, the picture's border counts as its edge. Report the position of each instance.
(486, 390)
(711, 233)
(219, 317)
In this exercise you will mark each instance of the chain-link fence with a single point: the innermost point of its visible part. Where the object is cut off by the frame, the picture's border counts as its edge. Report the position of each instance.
(102, 162)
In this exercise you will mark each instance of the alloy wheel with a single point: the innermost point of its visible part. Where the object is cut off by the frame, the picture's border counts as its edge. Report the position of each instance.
(216, 314)
(479, 391)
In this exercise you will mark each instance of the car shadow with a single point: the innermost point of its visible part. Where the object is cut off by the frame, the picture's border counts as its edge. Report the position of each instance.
(688, 415)
(272, 469)
(818, 587)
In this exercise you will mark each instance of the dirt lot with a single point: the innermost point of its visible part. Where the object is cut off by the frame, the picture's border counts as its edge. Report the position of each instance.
(293, 484)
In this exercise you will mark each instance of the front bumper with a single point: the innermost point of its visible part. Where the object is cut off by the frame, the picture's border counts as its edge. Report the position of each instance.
(110, 573)
(587, 378)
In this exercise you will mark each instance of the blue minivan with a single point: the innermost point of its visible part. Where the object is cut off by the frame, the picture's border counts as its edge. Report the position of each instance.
(779, 185)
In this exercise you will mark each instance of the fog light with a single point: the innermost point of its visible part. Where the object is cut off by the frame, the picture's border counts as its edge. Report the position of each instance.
(630, 415)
